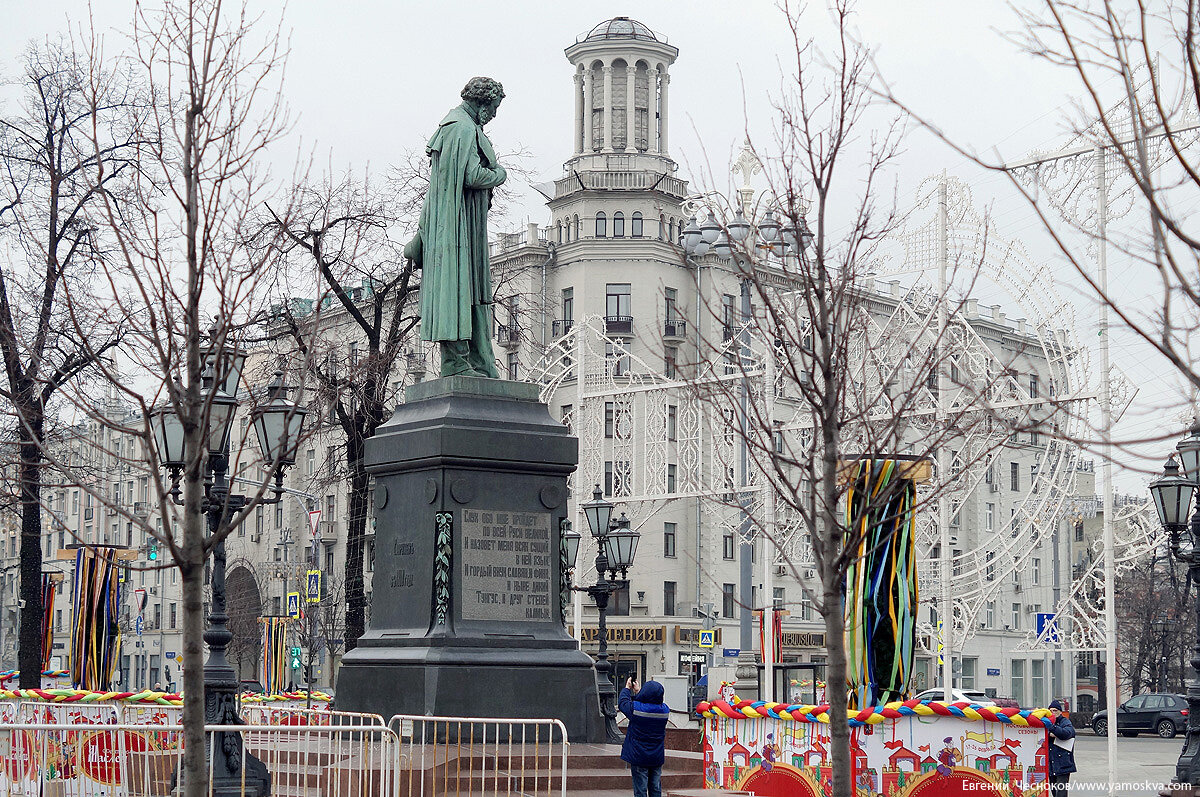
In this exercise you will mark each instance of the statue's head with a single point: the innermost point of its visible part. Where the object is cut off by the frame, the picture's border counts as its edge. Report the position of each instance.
(485, 94)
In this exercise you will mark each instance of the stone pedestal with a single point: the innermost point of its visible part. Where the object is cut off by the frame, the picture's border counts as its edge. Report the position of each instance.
(469, 588)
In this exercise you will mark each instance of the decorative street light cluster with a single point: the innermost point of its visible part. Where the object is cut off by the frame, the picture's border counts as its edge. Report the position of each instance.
(616, 545)
(698, 238)
(277, 423)
(1173, 495)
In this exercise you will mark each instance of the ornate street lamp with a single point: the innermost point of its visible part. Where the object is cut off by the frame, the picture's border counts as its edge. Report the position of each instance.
(277, 423)
(1172, 496)
(616, 545)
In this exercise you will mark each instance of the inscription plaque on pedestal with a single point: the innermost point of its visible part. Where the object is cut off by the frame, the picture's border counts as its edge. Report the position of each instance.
(506, 565)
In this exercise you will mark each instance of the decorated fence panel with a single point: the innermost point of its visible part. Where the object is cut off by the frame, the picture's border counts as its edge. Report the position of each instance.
(906, 749)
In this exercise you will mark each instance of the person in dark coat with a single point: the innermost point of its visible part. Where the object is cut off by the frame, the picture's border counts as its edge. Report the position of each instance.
(643, 749)
(1061, 758)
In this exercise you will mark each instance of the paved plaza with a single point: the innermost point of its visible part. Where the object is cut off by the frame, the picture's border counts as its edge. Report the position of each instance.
(1145, 762)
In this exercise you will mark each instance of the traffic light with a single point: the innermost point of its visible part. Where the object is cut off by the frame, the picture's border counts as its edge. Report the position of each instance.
(295, 658)
(153, 551)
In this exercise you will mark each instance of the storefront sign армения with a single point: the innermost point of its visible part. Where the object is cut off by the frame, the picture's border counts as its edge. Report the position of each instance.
(636, 634)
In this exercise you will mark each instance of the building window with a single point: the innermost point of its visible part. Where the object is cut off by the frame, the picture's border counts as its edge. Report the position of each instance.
(806, 609)
(608, 478)
(967, 681)
(1018, 681)
(669, 598)
(618, 604)
(727, 601)
(672, 421)
(1014, 477)
(990, 616)
(601, 225)
(1016, 617)
(173, 615)
(578, 227)
(989, 517)
(514, 366)
(618, 225)
(310, 461)
(727, 547)
(610, 415)
(1033, 393)
(1078, 531)
(670, 355)
(669, 530)
(728, 315)
(989, 569)
(636, 225)
(778, 598)
(567, 414)
(616, 357)
(671, 471)
(671, 308)
(1037, 682)
(617, 302)
(568, 305)
(1035, 575)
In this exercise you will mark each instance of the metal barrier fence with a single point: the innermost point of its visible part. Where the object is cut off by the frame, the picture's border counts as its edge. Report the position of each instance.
(480, 756)
(330, 754)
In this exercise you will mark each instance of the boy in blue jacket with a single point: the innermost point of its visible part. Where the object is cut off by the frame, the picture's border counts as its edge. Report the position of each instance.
(643, 747)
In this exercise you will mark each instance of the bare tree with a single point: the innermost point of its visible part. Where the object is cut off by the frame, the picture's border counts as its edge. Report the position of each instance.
(49, 212)
(813, 381)
(351, 340)
(189, 286)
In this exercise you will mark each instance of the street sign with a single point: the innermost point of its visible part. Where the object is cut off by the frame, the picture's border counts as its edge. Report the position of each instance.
(993, 670)
(731, 653)
(313, 583)
(139, 624)
(1047, 628)
(314, 522)
(706, 639)
(170, 654)
(139, 599)
(179, 659)
(293, 605)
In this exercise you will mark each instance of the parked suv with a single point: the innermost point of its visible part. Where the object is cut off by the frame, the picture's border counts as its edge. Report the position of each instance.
(1165, 714)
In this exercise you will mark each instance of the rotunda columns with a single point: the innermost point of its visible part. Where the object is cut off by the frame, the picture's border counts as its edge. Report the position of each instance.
(630, 107)
(580, 119)
(608, 107)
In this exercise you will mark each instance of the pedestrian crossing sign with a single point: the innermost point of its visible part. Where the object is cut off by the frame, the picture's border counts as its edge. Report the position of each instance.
(314, 586)
(293, 605)
(706, 639)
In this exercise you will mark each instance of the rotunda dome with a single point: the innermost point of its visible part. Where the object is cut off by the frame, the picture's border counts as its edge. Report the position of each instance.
(620, 28)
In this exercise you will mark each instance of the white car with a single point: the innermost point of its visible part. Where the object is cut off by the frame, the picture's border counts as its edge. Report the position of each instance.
(960, 696)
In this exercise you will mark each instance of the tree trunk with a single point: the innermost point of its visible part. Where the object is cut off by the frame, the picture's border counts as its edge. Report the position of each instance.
(835, 687)
(29, 654)
(356, 599)
(195, 769)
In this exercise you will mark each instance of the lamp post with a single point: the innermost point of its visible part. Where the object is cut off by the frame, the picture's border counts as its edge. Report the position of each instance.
(738, 244)
(616, 546)
(277, 423)
(1173, 493)
(1161, 627)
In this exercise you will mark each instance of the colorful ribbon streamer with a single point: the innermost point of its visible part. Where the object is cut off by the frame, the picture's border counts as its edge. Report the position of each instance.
(881, 582)
(48, 592)
(274, 663)
(95, 634)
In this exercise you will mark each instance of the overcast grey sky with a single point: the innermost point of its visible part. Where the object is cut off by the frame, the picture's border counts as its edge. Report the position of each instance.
(368, 79)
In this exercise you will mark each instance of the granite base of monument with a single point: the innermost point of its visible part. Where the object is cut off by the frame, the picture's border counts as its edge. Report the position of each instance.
(469, 585)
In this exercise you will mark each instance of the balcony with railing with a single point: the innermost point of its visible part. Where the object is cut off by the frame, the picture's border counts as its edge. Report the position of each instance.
(532, 235)
(619, 181)
(618, 325)
(675, 328)
(562, 326)
(508, 334)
